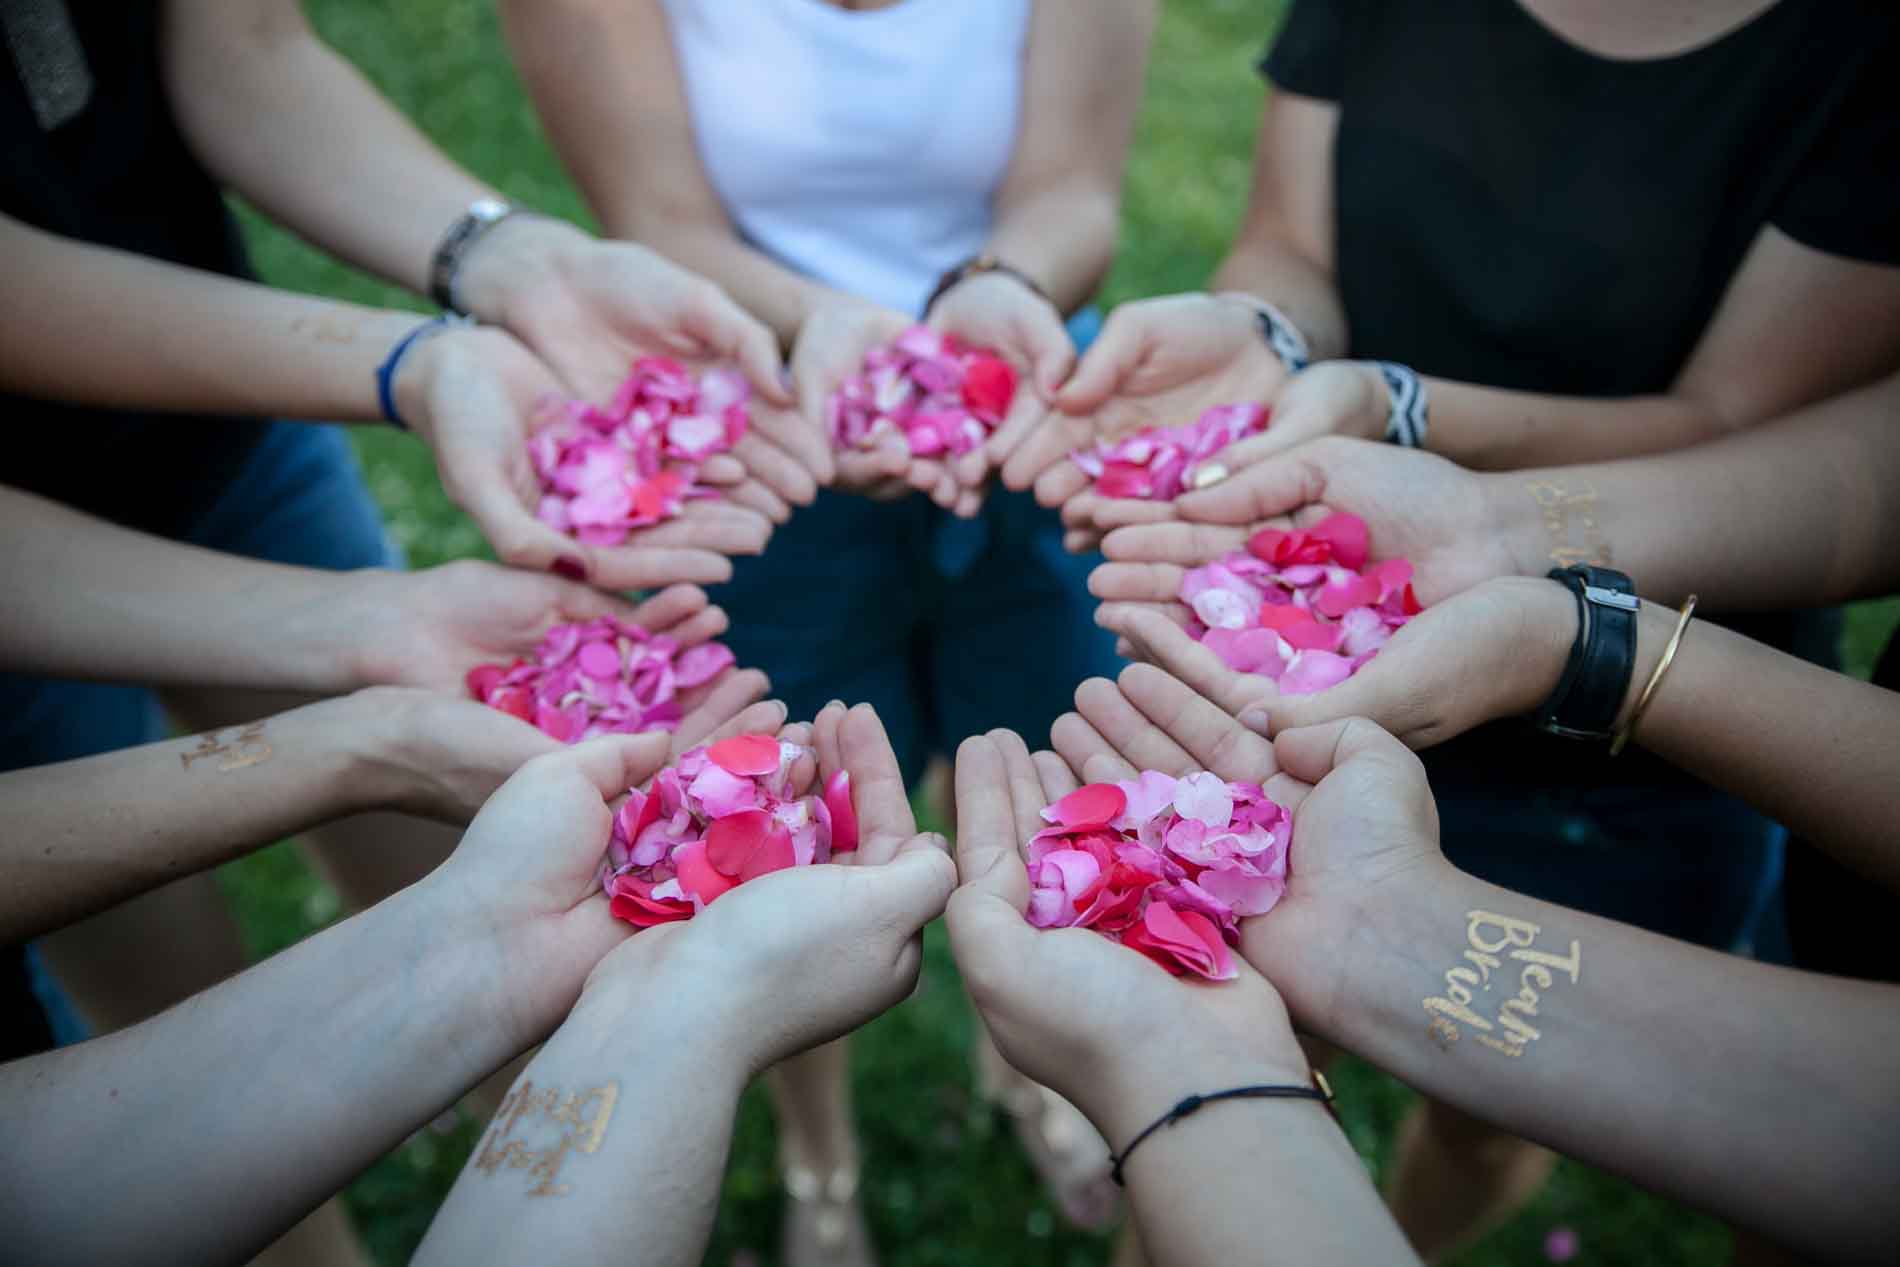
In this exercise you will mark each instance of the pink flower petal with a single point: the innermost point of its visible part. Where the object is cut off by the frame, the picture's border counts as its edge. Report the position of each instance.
(1091, 806)
(749, 755)
(1314, 671)
(844, 815)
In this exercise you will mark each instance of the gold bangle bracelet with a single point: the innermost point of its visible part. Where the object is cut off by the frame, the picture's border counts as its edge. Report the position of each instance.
(1655, 679)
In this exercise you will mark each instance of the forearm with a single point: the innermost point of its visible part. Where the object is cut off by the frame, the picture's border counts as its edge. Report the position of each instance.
(1272, 268)
(651, 1113)
(84, 835)
(218, 1124)
(1489, 428)
(1246, 1181)
(1762, 1094)
(366, 185)
(89, 599)
(1790, 513)
(1063, 236)
(95, 326)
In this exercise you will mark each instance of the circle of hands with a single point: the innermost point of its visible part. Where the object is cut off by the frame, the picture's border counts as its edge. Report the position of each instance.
(1053, 999)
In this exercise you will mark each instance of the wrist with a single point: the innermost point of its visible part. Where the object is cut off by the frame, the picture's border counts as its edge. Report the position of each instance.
(517, 255)
(646, 996)
(1655, 624)
(1139, 1087)
(1512, 517)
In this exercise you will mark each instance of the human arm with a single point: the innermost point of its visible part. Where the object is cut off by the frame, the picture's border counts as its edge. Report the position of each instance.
(95, 600)
(1252, 1181)
(220, 1123)
(1612, 1027)
(682, 1016)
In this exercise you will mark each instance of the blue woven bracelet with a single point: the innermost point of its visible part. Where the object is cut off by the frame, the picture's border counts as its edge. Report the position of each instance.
(386, 372)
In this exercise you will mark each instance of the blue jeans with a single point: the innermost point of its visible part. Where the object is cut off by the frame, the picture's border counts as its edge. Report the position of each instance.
(948, 627)
(299, 500)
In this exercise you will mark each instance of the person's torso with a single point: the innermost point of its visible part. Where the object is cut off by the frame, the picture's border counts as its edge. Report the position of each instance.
(92, 152)
(862, 149)
(1517, 211)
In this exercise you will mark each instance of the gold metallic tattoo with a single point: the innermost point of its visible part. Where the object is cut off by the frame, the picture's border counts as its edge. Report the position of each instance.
(1570, 518)
(238, 750)
(327, 328)
(580, 1116)
(1498, 943)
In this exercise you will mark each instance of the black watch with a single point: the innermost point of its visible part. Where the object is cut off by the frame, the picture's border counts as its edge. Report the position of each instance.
(1602, 659)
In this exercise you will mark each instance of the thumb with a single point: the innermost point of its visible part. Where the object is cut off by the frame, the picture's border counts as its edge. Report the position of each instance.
(1310, 753)
(733, 334)
(519, 539)
(913, 887)
(1272, 486)
(1051, 355)
(1107, 364)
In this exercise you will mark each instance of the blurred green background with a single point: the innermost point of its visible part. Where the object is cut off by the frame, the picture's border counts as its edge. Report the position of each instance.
(944, 1182)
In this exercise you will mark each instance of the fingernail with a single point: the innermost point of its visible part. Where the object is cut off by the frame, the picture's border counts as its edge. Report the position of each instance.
(570, 566)
(1254, 719)
(1207, 476)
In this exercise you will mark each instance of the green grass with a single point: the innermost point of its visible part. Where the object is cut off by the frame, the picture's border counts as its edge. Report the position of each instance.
(945, 1185)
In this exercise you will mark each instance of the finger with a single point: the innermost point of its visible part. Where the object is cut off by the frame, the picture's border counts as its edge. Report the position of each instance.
(733, 334)
(947, 491)
(731, 694)
(1286, 791)
(1081, 540)
(701, 626)
(1111, 513)
(1167, 646)
(1052, 357)
(878, 793)
(1025, 785)
(866, 468)
(1025, 412)
(1057, 779)
(786, 473)
(760, 718)
(756, 496)
(796, 435)
(1116, 353)
(1059, 482)
(971, 469)
(642, 568)
(922, 473)
(709, 525)
(1187, 545)
(1048, 442)
(661, 612)
(1079, 510)
(1114, 582)
(1311, 753)
(969, 504)
(722, 469)
(913, 884)
(611, 763)
(987, 848)
(1275, 486)
(825, 738)
(519, 539)
(1092, 757)
(1211, 736)
(1139, 741)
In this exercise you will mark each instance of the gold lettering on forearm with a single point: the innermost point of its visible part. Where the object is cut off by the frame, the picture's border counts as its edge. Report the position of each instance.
(1500, 944)
(327, 328)
(580, 1121)
(236, 750)
(1570, 520)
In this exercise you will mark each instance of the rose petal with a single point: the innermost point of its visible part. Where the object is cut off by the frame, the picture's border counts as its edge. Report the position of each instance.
(844, 815)
(1091, 806)
(749, 755)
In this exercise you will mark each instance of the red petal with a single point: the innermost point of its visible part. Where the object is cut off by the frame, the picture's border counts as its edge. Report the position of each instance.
(482, 679)
(1091, 806)
(989, 384)
(1337, 600)
(697, 875)
(1124, 479)
(748, 756)
(516, 701)
(632, 902)
(775, 854)
(1265, 544)
(844, 815)
(731, 841)
(1347, 536)
(1300, 630)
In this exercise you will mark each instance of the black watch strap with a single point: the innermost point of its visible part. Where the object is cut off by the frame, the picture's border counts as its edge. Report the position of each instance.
(1602, 659)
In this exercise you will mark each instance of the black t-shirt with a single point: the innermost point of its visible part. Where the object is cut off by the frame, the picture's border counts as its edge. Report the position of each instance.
(1514, 211)
(92, 153)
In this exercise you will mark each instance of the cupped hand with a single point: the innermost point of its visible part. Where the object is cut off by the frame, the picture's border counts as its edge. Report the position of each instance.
(831, 347)
(1416, 506)
(1101, 1024)
(429, 628)
(1494, 651)
(1157, 362)
(995, 310)
(472, 396)
(803, 955)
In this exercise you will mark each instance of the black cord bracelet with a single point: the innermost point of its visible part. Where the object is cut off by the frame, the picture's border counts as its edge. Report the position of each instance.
(1192, 1104)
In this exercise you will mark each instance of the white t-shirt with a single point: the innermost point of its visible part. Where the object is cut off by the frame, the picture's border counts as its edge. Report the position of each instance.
(859, 148)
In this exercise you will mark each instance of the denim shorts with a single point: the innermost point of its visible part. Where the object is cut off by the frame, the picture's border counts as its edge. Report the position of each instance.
(948, 627)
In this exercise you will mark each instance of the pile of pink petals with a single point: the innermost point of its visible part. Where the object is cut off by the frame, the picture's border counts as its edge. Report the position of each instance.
(1302, 608)
(607, 471)
(724, 815)
(605, 677)
(928, 387)
(1165, 866)
(1159, 463)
